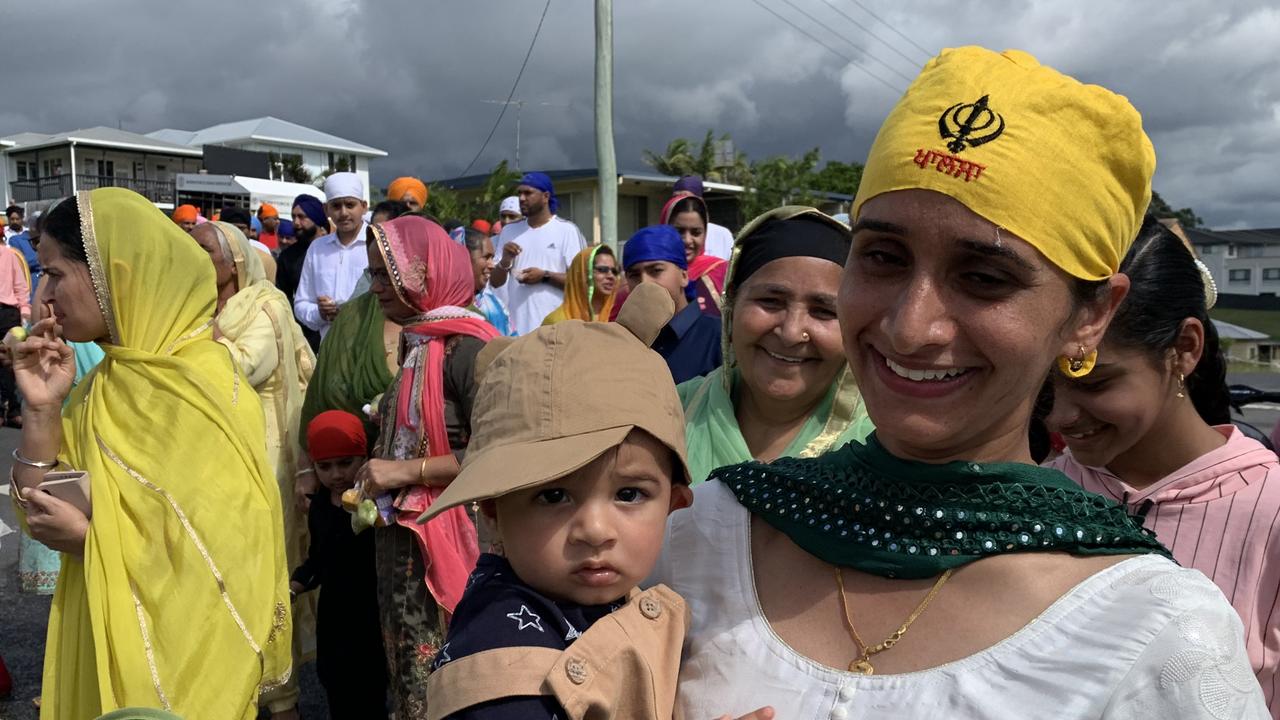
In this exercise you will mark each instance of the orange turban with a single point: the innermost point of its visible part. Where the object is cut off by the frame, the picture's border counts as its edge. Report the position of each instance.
(267, 210)
(185, 213)
(482, 225)
(402, 186)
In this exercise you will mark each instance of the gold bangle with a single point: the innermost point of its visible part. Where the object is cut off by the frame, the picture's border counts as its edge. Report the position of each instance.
(422, 471)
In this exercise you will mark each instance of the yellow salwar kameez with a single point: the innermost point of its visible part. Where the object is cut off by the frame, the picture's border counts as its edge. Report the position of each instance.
(180, 601)
(258, 328)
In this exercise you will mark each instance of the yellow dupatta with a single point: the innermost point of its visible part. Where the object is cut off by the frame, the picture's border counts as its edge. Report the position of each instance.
(258, 328)
(181, 599)
(579, 286)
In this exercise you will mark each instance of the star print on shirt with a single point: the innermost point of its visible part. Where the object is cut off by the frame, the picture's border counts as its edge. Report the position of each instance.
(573, 634)
(526, 618)
(442, 658)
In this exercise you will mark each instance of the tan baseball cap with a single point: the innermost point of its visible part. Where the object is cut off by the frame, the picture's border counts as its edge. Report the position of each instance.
(551, 402)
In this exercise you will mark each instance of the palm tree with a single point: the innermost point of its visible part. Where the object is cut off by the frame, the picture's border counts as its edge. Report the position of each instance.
(678, 159)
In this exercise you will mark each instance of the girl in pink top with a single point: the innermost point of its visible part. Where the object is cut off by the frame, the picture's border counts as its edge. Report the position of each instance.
(1150, 427)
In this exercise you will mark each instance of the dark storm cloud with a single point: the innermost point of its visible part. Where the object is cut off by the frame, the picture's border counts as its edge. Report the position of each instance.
(410, 77)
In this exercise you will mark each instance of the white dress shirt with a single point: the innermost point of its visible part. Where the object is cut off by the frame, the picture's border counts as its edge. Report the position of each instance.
(331, 269)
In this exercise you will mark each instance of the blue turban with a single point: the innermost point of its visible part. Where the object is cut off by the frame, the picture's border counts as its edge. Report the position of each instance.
(540, 181)
(314, 209)
(656, 242)
(285, 228)
(255, 223)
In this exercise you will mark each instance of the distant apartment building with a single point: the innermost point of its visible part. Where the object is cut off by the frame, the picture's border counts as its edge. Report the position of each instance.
(37, 167)
(1242, 262)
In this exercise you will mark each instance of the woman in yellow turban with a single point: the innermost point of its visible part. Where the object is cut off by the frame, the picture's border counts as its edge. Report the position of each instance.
(173, 592)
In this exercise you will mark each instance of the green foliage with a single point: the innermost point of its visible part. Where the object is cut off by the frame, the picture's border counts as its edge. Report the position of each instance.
(289, 168)
(1185, 216)
(770, 183)
(444, 203)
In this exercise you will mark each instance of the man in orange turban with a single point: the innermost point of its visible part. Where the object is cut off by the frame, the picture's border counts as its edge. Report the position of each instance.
(185, 216)
(409, 190)
(270, 219)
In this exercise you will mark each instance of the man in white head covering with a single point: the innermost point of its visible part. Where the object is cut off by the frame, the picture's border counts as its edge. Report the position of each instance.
(334, 262)
(510, 210)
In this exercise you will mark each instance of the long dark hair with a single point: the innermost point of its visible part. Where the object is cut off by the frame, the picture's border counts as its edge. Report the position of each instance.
(1166, 287)
(62, 225)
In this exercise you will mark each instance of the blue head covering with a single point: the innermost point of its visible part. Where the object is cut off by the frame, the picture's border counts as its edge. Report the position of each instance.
(689, 184)
(285, 229)
(314, 209)
(255, 223)
(656, 242)
(542, 182)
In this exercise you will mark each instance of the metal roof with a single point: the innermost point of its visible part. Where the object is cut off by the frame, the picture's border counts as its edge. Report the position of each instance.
(1258, 236)
(1237, 332)
(265, 129)
(99, 137)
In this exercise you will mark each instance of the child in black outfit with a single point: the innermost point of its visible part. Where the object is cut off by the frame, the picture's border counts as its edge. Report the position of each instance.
(350, 658)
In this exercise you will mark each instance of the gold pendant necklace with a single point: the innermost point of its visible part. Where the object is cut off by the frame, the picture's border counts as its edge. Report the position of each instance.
(862, 664)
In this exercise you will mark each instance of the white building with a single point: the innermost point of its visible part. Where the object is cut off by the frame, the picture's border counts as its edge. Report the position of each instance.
(36, 168)
(317, 151)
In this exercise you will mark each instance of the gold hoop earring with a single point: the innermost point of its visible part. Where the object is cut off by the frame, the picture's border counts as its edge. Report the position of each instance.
(1079, 366)
(1182, 383)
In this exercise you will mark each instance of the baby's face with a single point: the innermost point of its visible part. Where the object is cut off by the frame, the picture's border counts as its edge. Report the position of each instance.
(592, 536)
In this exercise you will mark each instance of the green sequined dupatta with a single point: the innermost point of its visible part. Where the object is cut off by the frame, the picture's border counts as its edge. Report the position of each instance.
(863, 508)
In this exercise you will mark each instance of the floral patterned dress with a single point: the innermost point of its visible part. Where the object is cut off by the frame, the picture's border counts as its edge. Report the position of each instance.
(413, 624)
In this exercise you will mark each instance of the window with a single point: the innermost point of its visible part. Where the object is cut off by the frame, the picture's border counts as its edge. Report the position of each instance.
(1271, 273)
(1253, 251)
(26, 170)
(342, 162)
(49, 168)
(1239, 276)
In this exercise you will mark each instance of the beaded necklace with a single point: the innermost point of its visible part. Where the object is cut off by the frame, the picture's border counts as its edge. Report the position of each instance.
(861, 507)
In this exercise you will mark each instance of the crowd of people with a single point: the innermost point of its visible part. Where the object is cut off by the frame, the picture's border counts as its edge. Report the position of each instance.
(484, 470)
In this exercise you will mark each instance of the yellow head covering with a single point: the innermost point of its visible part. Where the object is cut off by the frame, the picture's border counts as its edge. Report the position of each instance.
(1065, 166)
(579, 287)
(181, 600)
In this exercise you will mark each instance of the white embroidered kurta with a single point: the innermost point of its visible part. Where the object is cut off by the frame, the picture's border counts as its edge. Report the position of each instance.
(1141, 640)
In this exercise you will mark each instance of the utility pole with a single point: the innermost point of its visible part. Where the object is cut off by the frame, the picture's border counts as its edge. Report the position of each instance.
(606, 160)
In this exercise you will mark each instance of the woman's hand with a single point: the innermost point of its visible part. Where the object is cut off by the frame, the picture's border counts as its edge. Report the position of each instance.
(379, 476)
(57, 524)
(44, 366)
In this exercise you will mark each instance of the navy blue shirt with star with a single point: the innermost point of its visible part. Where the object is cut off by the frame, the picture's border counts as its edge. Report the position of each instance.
(498, 610)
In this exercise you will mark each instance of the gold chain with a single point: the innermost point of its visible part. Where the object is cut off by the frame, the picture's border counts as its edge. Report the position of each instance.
(862, 663)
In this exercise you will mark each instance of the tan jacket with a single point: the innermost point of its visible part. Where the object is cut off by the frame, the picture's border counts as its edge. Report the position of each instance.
(625, 665)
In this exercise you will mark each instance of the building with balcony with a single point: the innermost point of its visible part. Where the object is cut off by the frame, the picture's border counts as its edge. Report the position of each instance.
(290, 145)
(39, 167)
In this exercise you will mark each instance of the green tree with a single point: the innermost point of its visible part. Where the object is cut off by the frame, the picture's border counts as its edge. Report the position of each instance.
(677, 160)
(502, 181)
(1185, 216)
(703, 158)
(778, 181)
(289, 168)
(838, 177)
(445, 203)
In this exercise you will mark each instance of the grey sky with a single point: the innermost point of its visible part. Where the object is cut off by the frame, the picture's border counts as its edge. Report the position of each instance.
(409, 76)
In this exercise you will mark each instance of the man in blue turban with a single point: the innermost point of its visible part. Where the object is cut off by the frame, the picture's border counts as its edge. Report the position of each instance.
(534, 254)
(690, 343)
(309, 222)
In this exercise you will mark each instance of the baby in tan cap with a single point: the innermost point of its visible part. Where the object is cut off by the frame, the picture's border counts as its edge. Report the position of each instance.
(578, 486)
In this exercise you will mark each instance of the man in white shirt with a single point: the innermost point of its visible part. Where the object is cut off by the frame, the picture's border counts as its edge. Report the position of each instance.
(535, 253)
(336, 261)
(719, 238)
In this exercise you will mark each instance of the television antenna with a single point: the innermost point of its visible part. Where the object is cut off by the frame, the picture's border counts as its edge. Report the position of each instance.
(520, 109)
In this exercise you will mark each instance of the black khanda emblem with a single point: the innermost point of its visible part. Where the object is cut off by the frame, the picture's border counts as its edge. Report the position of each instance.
(970, 125)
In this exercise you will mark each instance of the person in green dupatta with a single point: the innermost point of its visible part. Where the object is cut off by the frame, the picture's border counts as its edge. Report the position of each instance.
(785, 389)
(935, 571)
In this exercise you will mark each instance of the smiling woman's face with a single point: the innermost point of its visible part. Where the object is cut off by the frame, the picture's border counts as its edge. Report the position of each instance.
(951, 326)
(785, 335)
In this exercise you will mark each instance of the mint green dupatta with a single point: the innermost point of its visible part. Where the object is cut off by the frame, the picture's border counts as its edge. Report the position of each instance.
(714, 440)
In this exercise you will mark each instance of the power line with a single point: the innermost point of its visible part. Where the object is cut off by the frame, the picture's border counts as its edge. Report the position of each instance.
(511, 94)
(886, 24)
(851, 43)
(872, 34)
(833, 51)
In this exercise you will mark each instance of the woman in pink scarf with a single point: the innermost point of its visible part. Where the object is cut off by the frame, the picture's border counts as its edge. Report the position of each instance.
(688, 214)
(423, 281)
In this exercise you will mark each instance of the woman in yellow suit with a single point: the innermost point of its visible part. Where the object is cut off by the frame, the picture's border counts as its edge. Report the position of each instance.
(173, 592)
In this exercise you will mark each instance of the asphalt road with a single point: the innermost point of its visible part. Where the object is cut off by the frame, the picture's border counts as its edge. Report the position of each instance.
(23, 618)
